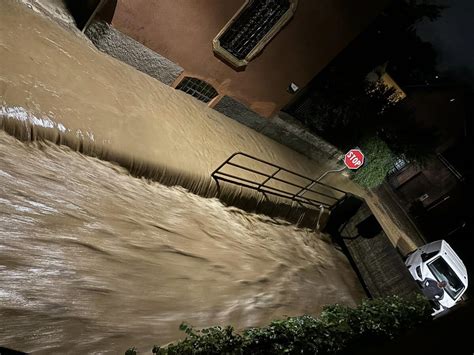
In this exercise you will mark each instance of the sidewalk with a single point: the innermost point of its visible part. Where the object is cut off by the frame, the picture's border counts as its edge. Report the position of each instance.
(397, 225)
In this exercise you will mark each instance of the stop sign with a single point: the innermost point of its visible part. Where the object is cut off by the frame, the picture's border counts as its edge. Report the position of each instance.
(354, 159)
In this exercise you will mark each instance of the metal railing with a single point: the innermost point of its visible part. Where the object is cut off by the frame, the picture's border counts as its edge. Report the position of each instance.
(305, 191)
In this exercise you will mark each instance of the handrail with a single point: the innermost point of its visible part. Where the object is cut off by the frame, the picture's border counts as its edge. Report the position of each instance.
(272, 177)
(324, 200)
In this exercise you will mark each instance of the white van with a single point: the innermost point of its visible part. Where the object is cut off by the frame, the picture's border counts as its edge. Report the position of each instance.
(438, 261)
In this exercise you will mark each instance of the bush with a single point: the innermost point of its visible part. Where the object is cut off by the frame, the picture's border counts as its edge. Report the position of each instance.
(379, 160)
(131, 351)
(337, 329)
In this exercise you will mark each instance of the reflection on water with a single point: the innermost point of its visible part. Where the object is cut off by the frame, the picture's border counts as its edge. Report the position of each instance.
(92, 259)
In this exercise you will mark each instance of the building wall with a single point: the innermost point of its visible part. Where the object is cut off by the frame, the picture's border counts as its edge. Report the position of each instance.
(120, 46)
(375, 259)
(444, 180)
(284, 129)
(443, 109)
(434, 179)
(183, 30)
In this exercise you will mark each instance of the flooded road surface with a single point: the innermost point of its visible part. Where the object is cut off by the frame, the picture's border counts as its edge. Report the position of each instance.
(92, 259)
(51, 77)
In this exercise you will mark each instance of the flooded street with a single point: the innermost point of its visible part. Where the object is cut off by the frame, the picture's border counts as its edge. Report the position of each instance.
(95, 260)
(92, 259)
(57, 81)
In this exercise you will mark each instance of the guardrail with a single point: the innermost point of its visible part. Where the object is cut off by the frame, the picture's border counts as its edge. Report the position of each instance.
(270, 180)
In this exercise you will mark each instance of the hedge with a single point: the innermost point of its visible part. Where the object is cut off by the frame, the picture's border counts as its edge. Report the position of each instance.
(378, 161)
(337, 329)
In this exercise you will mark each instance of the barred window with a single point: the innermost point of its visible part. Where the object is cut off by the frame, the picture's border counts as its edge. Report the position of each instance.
(399, 164)
(252, 28)
(197, 88)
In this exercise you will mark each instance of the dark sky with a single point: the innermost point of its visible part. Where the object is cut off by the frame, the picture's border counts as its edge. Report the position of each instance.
(453, 35)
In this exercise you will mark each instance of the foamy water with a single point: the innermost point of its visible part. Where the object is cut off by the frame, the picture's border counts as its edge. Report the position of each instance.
(92, 259)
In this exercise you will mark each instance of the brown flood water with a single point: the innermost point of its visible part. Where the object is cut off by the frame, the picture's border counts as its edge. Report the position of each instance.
(92, 259)
(51, 77)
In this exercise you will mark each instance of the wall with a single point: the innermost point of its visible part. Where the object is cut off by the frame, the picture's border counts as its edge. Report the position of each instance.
(443, 212)
(129, 51)
(444, 109)
(182, 31)
(434, 179)
(375, 259)
(285, 130)
(379, 263)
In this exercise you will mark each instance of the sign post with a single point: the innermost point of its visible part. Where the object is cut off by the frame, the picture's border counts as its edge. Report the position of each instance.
(354, 159)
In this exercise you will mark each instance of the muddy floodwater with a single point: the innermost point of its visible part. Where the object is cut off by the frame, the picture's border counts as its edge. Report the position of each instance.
(52, 78)
(95, 260)
(92, 259)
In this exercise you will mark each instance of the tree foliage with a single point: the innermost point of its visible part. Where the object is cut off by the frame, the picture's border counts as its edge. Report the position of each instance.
(338, 329)
(348, 110)
(379, 159)
(392, 38)
(410, 59)
(359, 110)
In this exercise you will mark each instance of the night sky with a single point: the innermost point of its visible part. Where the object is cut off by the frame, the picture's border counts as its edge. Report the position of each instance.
(453, 36)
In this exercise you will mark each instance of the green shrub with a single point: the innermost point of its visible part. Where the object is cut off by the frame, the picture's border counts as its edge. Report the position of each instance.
(378, 161)
(337, 329)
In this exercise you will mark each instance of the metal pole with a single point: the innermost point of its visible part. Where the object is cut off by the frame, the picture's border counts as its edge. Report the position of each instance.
(319, 179)
(321, 211)
(94, 13)
(330, 171)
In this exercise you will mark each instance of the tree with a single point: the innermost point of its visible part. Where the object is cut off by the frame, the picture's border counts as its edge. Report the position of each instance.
(404, 136)
(393, 39)
(348, 110)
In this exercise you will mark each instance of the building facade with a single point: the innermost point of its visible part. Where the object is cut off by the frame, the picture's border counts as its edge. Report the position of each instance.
(255, 53)
(436, 195)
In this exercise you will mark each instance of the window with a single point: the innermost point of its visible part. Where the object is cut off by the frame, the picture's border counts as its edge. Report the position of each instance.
(197, 88)
(428, 256)
(399, 165)
(443, 272)
(251, 28)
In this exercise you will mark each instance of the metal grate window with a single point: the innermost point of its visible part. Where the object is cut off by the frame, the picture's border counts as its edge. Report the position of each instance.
(197, 88)
(253, 23)
(399, 165)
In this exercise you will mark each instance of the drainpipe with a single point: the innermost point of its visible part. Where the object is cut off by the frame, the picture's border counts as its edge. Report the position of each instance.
(99, 7)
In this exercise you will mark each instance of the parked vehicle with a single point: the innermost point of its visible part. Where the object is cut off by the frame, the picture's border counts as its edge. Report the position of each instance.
(438, 261)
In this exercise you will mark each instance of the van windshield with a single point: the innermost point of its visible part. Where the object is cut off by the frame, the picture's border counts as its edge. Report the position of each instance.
(443, 272)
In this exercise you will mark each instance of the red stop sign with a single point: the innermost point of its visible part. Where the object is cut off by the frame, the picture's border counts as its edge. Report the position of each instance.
(354, 159)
